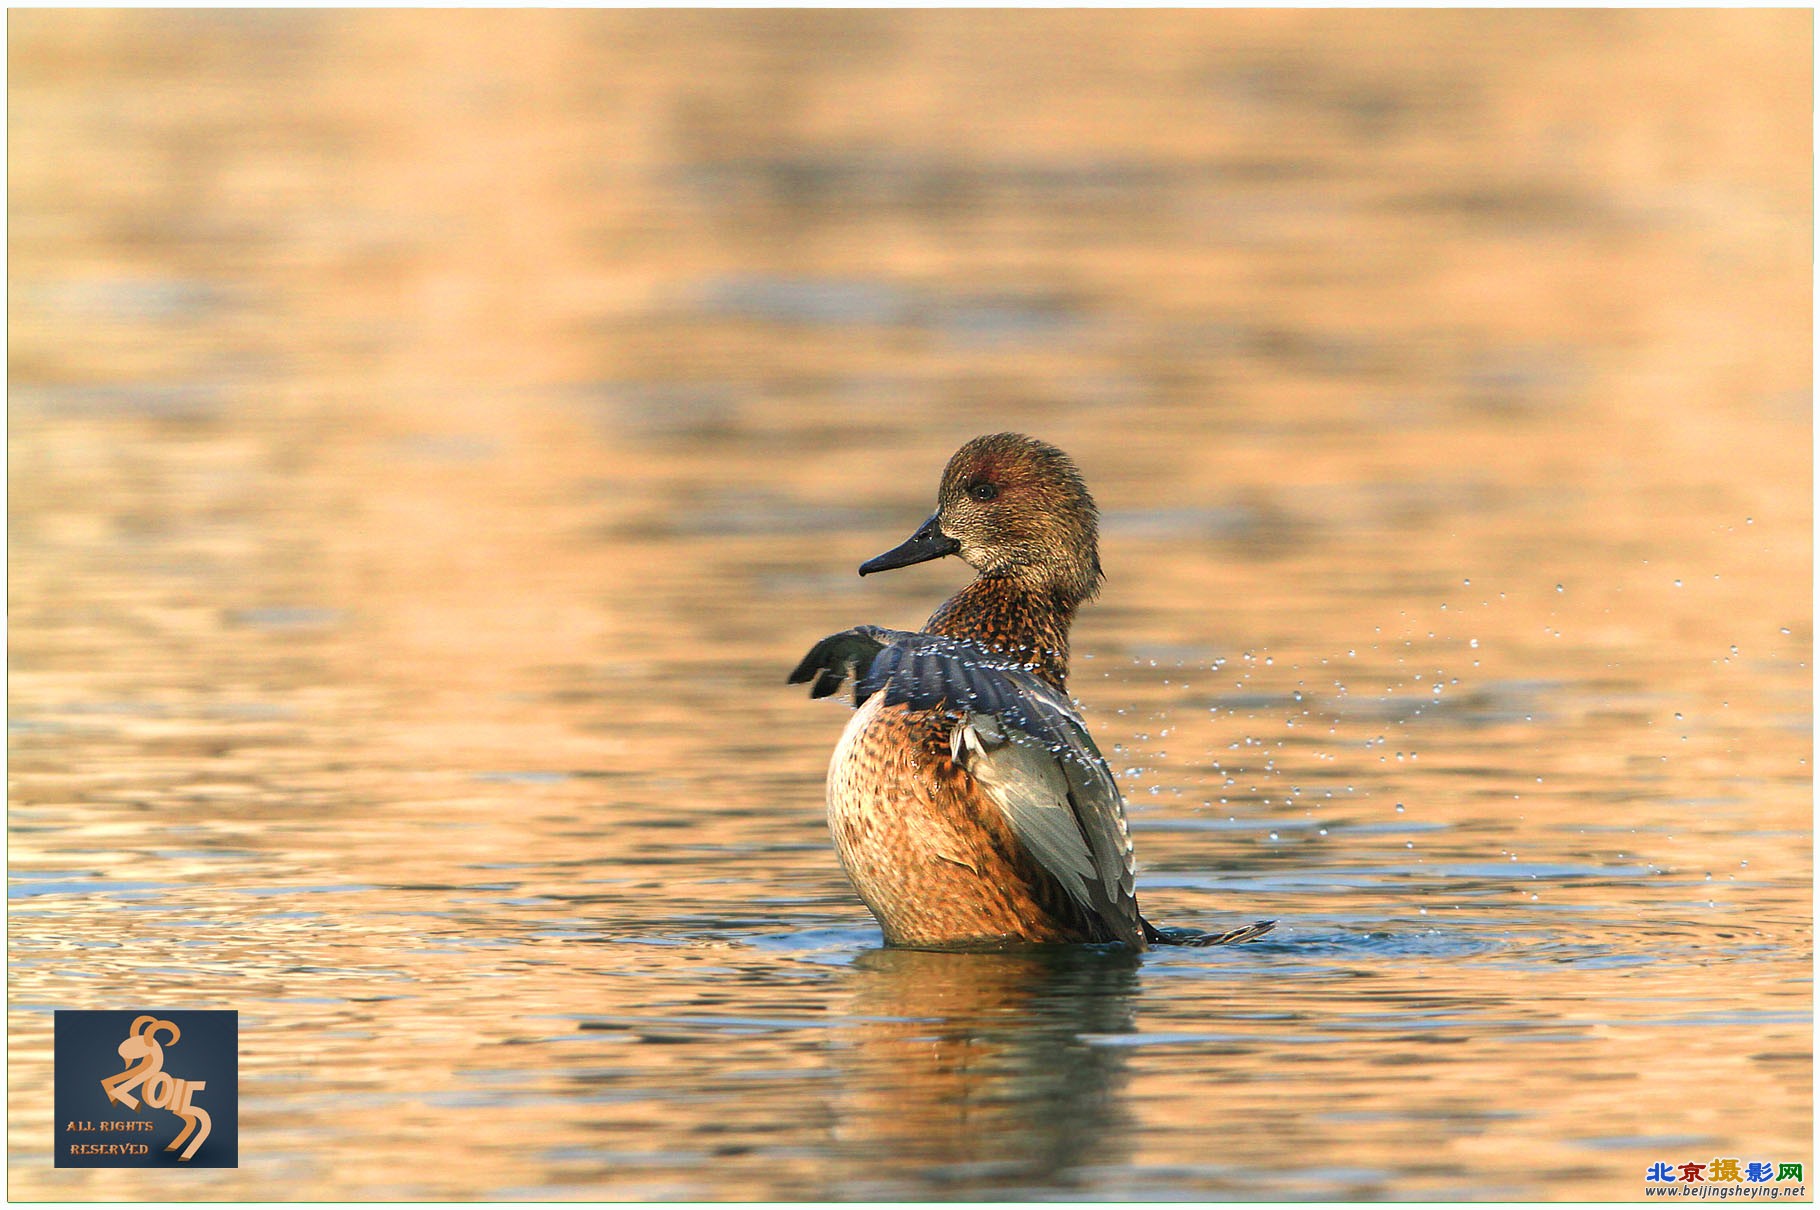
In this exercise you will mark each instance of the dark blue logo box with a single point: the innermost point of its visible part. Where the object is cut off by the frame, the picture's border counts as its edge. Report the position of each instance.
(174, 1078)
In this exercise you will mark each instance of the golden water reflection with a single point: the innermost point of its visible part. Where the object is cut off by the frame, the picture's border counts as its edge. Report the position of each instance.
(433, 437)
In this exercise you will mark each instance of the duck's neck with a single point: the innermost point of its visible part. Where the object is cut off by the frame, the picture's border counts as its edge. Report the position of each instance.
(1025, 624)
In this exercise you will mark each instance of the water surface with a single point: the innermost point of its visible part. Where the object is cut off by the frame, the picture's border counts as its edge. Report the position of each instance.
(434, 437)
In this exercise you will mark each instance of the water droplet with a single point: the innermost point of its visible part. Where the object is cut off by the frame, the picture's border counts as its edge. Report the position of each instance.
(1559, 588)
(1399, 805)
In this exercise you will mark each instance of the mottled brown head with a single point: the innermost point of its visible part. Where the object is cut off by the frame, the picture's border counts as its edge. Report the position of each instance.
(1013, 507)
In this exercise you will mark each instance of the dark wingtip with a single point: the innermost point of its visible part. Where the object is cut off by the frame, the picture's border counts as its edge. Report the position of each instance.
(1250, 932)
(1194, 940)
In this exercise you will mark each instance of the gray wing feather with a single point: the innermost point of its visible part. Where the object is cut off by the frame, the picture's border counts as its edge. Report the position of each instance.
(1030, 789)
(1059, 798)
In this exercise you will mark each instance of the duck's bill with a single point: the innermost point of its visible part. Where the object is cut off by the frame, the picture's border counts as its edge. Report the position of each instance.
(928, 542)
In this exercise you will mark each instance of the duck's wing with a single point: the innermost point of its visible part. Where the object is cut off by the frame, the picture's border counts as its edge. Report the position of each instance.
(1064, 810)
(1020, 738)
(935, 671)
(849, 654)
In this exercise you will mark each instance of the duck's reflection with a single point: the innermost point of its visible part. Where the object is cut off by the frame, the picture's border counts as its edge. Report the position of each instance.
(966, 1073)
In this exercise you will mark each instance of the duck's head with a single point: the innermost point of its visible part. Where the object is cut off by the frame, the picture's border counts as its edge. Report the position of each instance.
(1013, 507)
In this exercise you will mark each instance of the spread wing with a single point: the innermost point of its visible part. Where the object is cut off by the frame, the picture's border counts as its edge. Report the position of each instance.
(1020, 737)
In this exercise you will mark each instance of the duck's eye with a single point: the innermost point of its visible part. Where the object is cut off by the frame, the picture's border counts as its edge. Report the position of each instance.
(983, 491)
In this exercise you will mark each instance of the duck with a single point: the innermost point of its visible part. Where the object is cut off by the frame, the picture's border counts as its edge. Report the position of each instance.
(969, 805)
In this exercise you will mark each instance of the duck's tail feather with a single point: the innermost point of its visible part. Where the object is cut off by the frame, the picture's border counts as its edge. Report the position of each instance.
(1250, 932)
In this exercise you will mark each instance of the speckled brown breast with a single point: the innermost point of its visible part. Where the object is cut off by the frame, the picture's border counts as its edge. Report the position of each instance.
(927, 849)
